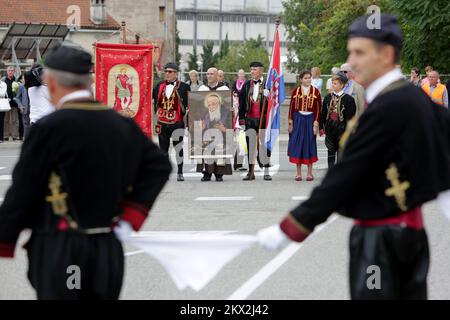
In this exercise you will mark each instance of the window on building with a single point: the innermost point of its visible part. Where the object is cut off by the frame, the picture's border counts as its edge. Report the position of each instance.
(233, 18)
(202, 42)
(186, 42)
(185, 17)
(257, 19)
(207, 17)
(162, 13)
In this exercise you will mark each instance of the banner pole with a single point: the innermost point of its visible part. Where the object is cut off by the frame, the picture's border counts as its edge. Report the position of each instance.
(151, 97)
(265, 101)
(124, 32)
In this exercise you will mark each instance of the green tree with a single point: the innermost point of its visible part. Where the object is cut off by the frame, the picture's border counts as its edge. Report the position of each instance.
(300, 19)
(241, 55)
(209, 58)
(426, 25)
(317, 29)
(332, 32)
(192, 63)
(255, 43)
(224, 47)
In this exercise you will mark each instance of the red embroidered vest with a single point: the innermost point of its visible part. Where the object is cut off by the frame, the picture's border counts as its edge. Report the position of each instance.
(255, 111)
(169, 110)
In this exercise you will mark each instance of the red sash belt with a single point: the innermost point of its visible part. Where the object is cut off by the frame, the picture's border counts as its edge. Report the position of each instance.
(254, 110)
(411, 219)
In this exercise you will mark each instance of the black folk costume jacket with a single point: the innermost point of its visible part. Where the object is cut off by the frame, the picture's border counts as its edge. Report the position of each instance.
(81, 168)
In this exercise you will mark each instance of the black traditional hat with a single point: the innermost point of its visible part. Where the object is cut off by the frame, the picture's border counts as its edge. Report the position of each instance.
(70, 59)
(388, 31)
(256, 64)
(171, 65)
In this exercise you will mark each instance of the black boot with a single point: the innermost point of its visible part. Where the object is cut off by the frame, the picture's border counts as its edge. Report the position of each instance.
(206, 177)
(251, 174)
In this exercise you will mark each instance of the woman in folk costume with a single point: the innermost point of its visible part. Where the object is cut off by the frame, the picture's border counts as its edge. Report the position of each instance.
(237, 88)
(337, 109)
(304, 116)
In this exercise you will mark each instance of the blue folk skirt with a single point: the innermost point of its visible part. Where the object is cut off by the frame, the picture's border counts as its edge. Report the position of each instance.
(302, 148)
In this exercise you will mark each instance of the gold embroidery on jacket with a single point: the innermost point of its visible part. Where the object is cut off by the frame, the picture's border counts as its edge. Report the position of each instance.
(58, 200)
(398, 189)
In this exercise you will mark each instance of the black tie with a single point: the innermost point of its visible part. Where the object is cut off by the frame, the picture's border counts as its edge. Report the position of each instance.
(170, 82)
(257, 81)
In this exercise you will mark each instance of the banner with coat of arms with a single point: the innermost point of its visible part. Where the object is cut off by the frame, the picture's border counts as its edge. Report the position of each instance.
(123, 80)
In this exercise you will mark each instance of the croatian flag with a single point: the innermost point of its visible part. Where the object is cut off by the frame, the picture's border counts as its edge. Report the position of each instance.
(275, 83)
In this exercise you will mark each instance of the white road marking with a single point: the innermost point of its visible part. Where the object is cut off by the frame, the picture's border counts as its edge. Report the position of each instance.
(193, 175)
(223, 198)
(1, 168)
(260, 172)
(5, 177)
(300, 198)
(264, 273)
(9, 156)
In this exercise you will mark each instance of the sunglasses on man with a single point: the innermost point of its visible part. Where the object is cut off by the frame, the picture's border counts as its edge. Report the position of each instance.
(169, 71)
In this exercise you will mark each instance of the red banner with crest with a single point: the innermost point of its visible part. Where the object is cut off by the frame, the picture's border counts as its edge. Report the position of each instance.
(123, 80)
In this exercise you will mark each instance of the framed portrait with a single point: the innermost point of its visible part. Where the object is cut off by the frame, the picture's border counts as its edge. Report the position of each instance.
(210, 125)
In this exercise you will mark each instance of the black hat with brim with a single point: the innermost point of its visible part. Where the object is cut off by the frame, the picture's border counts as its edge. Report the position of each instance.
(388, 31)
(69, 59)
(256, 64)
(171, 65)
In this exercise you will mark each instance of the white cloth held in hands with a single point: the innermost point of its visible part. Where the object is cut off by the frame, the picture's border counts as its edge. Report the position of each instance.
(191, 259)
(272, 238)
(123, 230)
(443, 200)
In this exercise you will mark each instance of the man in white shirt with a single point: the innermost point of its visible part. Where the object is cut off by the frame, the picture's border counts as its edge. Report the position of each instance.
(218, 167)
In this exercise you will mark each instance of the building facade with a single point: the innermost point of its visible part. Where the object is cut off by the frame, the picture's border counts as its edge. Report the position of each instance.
(85, 19)
(152, 20)
(200, 21)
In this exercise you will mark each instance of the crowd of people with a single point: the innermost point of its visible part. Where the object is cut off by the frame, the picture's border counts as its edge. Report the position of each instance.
(28, 101)
(313, 112)
(83, 195)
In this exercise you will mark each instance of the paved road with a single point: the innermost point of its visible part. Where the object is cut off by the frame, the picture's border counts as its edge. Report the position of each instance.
(315, 270)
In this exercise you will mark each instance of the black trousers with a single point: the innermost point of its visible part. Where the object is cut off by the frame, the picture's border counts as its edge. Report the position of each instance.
(332, 144)
(263, 161)
(164, 140)
(53, 259)
(21, 124)
(2, 124)
(398, 256)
